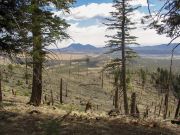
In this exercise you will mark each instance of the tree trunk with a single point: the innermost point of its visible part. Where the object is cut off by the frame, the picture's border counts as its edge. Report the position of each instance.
(70, 66)
(26, 74)
(133, 104)
(37, 85)
(117, 98)
(166, 105)
(66, 90)
(61, 82)
(124, 62)
(52, 98)
(177, 110)
(37, 56)
(78, 69)
(102, 80)
(160, 107)
(0, 88)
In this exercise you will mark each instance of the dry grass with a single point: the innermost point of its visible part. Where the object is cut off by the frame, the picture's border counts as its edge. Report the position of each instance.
(17, 119)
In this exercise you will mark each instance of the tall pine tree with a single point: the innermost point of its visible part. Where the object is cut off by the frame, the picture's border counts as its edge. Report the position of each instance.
(46, 29)
(120, 22)
(38, 28)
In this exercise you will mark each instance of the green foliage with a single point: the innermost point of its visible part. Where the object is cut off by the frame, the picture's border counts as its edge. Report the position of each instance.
(167, 21)
(10, 39)
(122, 36)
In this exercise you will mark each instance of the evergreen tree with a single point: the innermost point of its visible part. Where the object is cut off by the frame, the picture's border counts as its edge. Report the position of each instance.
(121, 23)
(46, 29)
(27, 25)
(11, 39)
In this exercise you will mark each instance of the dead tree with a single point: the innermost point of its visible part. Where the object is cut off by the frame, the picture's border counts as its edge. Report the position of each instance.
(177, 110)
(102, 80)
(70, 66)
(52, 99)
(13, 92)
(133, 104)
(61, 83)
(78, 69)
(88, 106)
(66, 90)
(160, 107)
(146, 113)
(155, 111)
(0, 88)
(26, 70)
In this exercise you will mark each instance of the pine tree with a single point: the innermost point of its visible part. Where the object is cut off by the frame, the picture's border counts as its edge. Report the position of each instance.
(31, 27)
(46, 29)
(11, 39)
(121, 23)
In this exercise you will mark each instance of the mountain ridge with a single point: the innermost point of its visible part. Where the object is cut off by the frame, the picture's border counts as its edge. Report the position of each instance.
(161, 49)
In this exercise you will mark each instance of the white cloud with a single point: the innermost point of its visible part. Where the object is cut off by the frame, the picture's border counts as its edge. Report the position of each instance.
(88, 11)
(94, 10)
(95, 34)
(139, 2)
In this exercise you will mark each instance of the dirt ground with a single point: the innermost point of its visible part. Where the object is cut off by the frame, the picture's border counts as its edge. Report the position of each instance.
(35, 121)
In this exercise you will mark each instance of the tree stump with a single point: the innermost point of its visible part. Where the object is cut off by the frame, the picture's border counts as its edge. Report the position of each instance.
(88, 106)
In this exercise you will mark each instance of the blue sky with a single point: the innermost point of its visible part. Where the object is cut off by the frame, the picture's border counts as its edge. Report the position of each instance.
(87, 17)
(83, 2)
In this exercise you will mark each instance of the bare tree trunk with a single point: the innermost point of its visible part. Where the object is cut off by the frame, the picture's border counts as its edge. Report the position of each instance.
(166, 105)
(61, 83)
(78, 69)
(0, 88)
(113, 100)
(52, 99)
(117, 97)
(70, 67)
(26, 72)
(102, 79)
(160, 107)
(155, 110)
(133, 104)
(124, 63)
(66, 90)
(177, 110)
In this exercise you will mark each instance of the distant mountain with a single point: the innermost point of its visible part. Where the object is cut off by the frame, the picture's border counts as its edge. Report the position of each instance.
(142, 50)
(79, 48)
(157, 49)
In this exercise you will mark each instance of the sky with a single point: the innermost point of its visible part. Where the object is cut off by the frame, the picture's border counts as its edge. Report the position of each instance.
(87, 16)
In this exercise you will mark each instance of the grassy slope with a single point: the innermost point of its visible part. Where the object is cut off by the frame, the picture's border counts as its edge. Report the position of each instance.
(81, 89)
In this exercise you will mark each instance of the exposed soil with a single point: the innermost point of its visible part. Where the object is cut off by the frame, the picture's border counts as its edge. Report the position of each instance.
(38, 123)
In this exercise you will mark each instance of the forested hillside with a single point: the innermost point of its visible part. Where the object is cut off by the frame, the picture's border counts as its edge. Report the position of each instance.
(121, 88)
